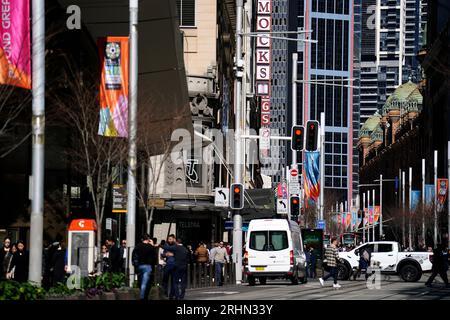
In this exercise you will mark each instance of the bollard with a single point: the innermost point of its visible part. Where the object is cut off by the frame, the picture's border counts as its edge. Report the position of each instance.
(194, 276)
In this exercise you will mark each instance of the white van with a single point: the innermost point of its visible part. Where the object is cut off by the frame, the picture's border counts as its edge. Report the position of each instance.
(274, 248)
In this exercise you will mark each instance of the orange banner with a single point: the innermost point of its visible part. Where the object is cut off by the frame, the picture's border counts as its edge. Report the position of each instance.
(113, 52)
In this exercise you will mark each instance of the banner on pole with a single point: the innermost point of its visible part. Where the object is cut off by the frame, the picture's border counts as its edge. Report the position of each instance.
(15, 56)
(415, 199)
(429, 194)
(442, 187)
(376, 214)
(113, 52)
(311, 173)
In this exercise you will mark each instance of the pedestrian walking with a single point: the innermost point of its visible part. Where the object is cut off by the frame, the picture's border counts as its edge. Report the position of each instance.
(219, 257)
(105, 261)
(58, 264)
(212, 251)
(114, 255)
(169, 275)
(332, 257)
(440, 265)
(123, 255)
(143, 258)
(182, 257)
(8, 261)
(201, 254)
(4, 252)
(312, 263)
(19, 264)
(365, 257)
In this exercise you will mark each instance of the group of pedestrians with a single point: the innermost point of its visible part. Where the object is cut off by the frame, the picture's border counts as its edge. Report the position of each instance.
(171, 257)
(14, 261)
(113, 258)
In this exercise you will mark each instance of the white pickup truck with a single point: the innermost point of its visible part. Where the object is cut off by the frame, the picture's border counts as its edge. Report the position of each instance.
(408, 265)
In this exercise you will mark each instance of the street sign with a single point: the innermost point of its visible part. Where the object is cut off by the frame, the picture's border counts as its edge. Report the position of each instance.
(157, 203)
(222, 197)
(228, 225)
(108, 224)
(264, 141)
(119, 198)
(282, 206)
(293, 176)
(294, 188)
(321, 224)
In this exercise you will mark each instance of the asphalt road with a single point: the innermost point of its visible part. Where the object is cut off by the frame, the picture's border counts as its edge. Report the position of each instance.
(390, 288)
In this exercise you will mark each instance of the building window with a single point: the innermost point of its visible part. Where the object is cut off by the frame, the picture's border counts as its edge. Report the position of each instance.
(186, 13)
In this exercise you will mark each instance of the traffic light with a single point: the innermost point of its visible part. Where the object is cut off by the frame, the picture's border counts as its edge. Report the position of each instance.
(312, 135)
(295, 206)
(237, 196)
(298, 138)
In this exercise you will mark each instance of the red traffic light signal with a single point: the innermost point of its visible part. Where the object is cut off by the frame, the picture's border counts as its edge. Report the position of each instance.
(295, 205)
(237, 198)
(297, 138)
(312, 135)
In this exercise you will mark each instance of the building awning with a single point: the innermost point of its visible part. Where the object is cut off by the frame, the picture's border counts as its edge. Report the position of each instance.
(163, 99)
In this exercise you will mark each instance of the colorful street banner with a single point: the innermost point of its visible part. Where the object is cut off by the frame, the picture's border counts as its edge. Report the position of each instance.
(15, 58)
(113, 52)
(282, 190)
(311, 173)
(429, 194)
(441, 190)
(415, 199)
(348, 220)
(376, 214)
(354, 219)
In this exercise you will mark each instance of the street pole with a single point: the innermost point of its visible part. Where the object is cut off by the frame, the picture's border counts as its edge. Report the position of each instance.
(368, 215)
(448, 203)
(237, 218)
(381, 206)
(38, 140)
(322, 163)
(403, 209)
(363, 216)
(294, 100)
(410, 208)
(435, 197)
(132, 114)
(373, 215)
(423, 200)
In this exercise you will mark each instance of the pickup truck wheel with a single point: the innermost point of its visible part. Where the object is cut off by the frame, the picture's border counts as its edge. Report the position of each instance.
(303, 280)
(343, 272)
(410, 273)
(294, 280)
(251, 280)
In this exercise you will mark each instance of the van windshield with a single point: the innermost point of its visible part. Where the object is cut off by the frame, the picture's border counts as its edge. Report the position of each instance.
(268, 240)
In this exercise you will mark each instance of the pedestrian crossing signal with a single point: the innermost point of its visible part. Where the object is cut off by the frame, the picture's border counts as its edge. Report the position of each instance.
(312, 135)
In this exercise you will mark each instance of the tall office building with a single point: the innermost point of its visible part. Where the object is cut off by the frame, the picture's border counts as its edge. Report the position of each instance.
(326, 69)
(393, 32)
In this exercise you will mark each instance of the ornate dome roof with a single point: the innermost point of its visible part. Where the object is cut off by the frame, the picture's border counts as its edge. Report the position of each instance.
(377, 134)
(405, 93)
(370, 125)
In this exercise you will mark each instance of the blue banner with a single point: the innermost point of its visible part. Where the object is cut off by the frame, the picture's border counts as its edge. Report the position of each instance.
(415, 199)
(429, 194)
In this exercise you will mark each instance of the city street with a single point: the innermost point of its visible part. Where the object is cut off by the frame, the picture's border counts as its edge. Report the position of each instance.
(392, 288)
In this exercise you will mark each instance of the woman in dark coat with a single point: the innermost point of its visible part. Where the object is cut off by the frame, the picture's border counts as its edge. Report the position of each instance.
(58, 265)
(20, 263)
